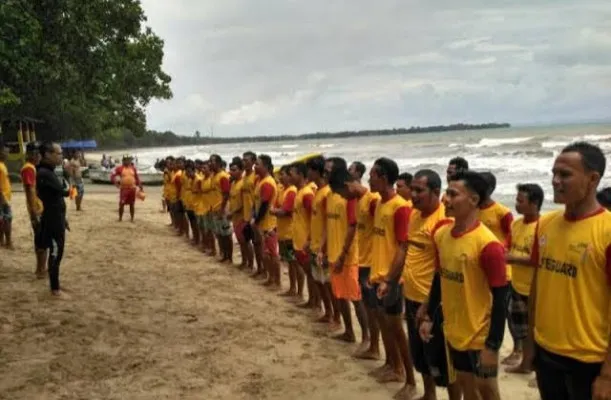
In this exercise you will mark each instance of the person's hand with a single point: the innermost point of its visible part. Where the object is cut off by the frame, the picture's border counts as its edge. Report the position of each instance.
(67, 226)
(320, 258)
(426, 327)
(383, 289)
(601, 389)
(339, 265)
(35, 221)
(421, 313)
(488, 360)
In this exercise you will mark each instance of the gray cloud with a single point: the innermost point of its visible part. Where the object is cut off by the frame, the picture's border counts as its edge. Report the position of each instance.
(271, 66)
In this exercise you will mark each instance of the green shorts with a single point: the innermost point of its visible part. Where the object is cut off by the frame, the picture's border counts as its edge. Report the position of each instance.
(287, 253)
(222, 226)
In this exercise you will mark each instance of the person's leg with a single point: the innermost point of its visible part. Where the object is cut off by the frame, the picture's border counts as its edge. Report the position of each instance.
(56, 253)
(518, 326)
(80, 193)
(515, 321)
(121, 211)
(41, 252)
(227, 239)
(397, 343)
(416, 346)
(8, 227)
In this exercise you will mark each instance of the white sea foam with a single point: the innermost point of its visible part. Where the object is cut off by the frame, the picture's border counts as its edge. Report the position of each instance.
(488, 142)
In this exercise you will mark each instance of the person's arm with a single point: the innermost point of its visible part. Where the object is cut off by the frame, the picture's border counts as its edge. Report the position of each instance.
(506, 222)
(605, 372)
(116, 172)
(3, 201)
(351, 207)
(137, 178)
(401, 221)
(267, 192)
(178, 185)
(492, 260)
(323, 236)
(29, 181)
(524, 261)
(225, 189)
(287, 206)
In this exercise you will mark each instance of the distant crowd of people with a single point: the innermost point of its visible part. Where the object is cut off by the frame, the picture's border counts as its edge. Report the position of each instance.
(454, 265)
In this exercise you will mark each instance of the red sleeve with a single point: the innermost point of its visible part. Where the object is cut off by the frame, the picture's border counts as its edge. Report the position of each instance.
(402, 223)
(267, 191)
(492, 260)
(351, 211)
(506, 227)
(308, 199)
(27, 177)
(136, 177)
(608, 256)
(289, 202)
(225, 185)
(115, 172)
(372, 207)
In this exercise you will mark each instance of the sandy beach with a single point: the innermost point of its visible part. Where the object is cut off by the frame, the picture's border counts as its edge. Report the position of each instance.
(151, 318)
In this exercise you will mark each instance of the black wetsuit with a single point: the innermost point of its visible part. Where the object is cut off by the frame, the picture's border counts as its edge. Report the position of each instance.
(51, 191)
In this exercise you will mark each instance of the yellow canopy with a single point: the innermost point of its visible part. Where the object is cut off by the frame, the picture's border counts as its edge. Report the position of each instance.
(300, 159)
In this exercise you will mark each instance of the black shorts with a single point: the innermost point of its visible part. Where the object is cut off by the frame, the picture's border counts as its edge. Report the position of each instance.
(179, 208)
(368, 293)
(428, 358)
(564, 378)
(287, 253)
(191, 216)
(392, 303)
(468, 361)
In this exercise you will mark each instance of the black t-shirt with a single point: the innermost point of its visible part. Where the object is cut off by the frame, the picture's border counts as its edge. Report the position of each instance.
(51, 191)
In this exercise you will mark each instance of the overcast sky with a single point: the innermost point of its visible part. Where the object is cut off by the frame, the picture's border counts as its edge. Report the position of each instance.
(256, 67)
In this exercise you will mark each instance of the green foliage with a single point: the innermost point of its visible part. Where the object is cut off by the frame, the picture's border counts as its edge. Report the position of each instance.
(83, 67)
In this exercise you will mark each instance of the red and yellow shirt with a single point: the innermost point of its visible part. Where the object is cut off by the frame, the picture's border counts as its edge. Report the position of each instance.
(286, 201)
(236, 201)
(266, 191)
(573, 292)
(498, 219)
(302, 215)
(319, 217)
(470, 263)
(220, 187)
(248, 194)
(366, 210)
(28, 178)
(341, 214)
(521, 242)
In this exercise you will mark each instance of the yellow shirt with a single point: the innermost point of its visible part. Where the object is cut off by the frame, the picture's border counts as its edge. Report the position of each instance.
(183, 188)
(173, 194)
(206, 194)
(494, 216)
(268, 222)
(339, 218)
(285, 224)
(365, 228)
(385, 243)
(465, 291)
(198, 195)
(522, 240)
(572, 314)
(420, 260)
(5, 183)
(187, 196)
(235, 201)
(248, 195)
(216, 196)
(167, 181)
(38, 207)
(319, 218)
(302, 218)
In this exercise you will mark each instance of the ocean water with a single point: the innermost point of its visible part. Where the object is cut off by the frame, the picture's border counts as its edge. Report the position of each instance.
(514, 155)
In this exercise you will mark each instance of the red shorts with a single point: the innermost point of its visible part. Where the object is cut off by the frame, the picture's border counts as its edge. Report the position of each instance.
(238, 229)
(127, 196)
(345, 285)
(270, 244)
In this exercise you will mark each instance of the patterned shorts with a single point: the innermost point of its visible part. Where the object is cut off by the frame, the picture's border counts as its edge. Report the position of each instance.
(286, 250)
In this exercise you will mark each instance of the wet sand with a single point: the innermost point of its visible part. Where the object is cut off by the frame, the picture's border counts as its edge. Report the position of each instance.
(151, 318)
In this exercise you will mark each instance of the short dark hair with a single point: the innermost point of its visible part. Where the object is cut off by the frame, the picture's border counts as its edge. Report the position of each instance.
(490, 180)
(46, 147)
(338, 177)
(267, 162)
(285, 168)
(237, 162)
(460, 163)
(604, 197)
(474, 182)
(216, 158)
(407, 177)
(592, 157)
(189, 164)
(534, 193)
(387, 168)
(360, 168)
(433, 180)
(32, 147)
(337, 162)
(317, 164)
(300, 168)
(250, 154)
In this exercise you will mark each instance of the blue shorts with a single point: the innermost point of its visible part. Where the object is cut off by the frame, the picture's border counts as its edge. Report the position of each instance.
(80, 189)
(367, 292)
(6, 213)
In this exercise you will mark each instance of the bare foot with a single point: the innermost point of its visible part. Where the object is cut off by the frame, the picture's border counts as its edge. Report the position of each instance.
(325, 319)
(40, 274)
(267, 283)
(274, 287)
(345, 337)
(288, 293)
(367, 355)
(407, 392)
(307, 304)
(380, 370)
(363, 347)
(59, 295)
(335, 326)
(513, 359)
(9, 246)
(391, 376)
(533, 383)
(518, 369)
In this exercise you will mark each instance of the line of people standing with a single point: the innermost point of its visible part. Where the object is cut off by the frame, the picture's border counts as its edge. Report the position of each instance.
(455, 268)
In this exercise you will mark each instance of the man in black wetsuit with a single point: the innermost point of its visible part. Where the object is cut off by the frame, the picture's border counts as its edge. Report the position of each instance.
(51, 191)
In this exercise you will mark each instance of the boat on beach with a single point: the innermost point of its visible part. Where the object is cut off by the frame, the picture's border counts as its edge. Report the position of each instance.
(149, 176)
